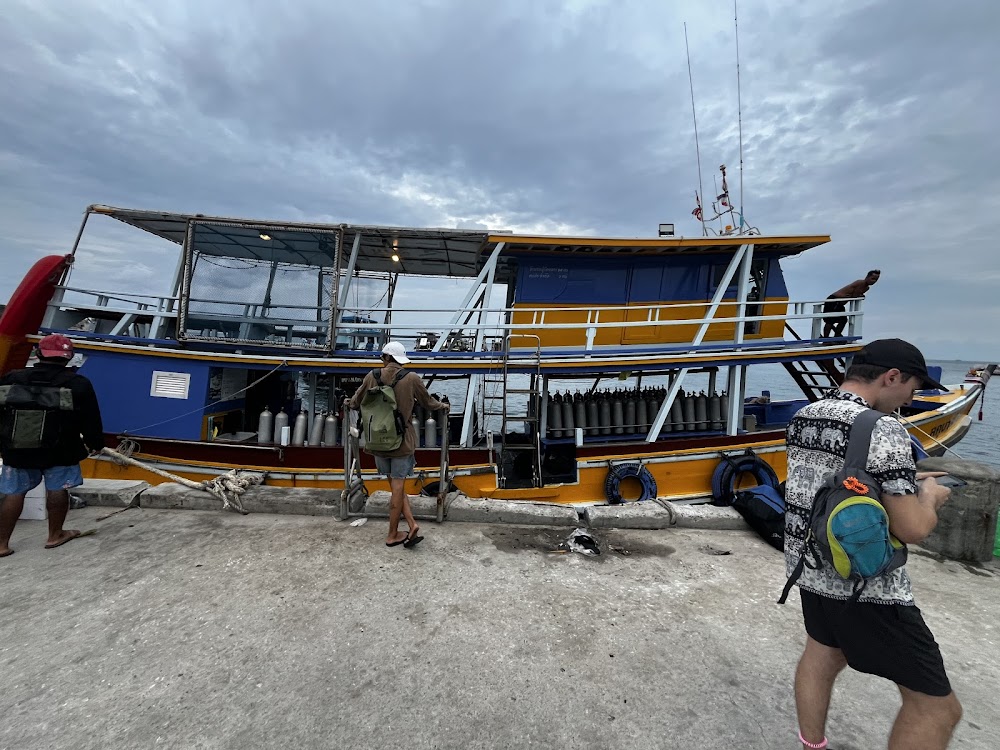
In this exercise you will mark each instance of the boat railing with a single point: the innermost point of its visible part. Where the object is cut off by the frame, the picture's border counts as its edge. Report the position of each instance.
(496, 323)
(469, 330)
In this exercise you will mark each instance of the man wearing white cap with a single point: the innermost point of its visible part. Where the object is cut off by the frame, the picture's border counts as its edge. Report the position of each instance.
(398, 464)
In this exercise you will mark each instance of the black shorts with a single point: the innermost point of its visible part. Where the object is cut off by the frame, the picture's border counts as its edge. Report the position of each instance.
(887, 640)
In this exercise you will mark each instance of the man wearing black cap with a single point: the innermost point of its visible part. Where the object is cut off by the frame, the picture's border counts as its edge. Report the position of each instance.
(49, 422)
(882, 632)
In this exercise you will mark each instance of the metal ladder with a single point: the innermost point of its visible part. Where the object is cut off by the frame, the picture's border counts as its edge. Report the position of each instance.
(511, 451)
(815, 382)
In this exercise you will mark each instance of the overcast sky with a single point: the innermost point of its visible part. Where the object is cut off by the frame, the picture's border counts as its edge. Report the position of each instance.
(875, 122)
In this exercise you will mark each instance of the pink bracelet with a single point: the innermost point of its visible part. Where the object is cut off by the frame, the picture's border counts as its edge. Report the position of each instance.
(815, 745)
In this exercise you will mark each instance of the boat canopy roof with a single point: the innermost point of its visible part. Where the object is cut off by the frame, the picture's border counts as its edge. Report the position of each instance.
(421, 252)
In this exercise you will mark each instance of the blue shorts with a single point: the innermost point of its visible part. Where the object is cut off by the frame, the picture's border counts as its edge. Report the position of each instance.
(398, 467)
(14, 481)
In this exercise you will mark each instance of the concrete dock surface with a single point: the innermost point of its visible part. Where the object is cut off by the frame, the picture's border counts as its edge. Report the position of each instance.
(204, 629)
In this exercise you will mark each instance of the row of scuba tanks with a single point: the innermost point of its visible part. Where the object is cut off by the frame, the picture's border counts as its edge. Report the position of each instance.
(275, 428)
(632, 412)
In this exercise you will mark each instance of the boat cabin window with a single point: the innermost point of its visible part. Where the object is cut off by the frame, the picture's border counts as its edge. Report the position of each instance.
(254, 284)
(756, 290)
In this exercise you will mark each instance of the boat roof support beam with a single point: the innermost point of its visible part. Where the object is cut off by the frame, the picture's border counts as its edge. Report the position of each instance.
(741, 260)
(348, 276)
(737, 391)
(668, 402)
(475, 293)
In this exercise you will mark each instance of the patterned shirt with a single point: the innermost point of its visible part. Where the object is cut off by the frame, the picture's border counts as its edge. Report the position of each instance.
(817, 445)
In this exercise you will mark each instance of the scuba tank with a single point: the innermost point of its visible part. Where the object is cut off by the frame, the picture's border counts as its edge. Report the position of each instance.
(630, 423)
(567, 415)
(688, 408)
(555, 415)
(265, 426)
(280, 422)
(579, 412)
(604, 414)
(701, 411)
(642, 414)
(652, 407)
(316, 433)
(677, 413)
(299, 432)
(593, 418)
(430, 431)
(330, 429)
(715, 411)
(415, 424)
(617, 414)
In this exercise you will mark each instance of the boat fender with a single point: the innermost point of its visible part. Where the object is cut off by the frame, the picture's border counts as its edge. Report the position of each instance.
(618, 472)
(728, 472)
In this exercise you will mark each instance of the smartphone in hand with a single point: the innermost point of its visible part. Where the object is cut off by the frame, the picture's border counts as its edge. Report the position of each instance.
(949, 481)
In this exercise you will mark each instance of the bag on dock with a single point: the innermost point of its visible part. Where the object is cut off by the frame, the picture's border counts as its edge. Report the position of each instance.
(381, 422)
(763, 508)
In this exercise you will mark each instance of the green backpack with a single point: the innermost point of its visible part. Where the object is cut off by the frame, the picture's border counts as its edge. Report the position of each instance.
(381, 423)
(848, 526)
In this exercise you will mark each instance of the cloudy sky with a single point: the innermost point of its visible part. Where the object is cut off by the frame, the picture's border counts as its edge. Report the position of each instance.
(875, 122)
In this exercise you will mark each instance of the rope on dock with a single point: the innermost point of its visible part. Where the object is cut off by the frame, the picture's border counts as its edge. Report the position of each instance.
(228, 487)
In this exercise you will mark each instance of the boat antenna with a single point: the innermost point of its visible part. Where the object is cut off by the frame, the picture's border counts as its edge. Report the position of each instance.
(739, 107)
(701, 191)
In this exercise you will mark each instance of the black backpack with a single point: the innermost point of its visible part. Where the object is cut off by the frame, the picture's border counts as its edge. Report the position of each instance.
(848, 526)
(33, 414)
(763, 508)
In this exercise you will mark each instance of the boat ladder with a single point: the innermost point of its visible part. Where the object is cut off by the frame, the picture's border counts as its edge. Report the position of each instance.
(520, 461)
(816, 377)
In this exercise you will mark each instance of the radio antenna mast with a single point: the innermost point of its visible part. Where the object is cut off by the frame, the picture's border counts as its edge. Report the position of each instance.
(739, 107)
(697, 149)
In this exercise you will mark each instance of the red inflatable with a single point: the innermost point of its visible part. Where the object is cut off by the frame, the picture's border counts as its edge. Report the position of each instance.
(23, 314)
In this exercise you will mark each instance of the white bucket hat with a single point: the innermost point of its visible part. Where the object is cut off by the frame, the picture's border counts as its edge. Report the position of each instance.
(395, 350)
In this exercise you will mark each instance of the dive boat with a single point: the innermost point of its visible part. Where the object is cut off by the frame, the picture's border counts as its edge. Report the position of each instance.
(614, 369)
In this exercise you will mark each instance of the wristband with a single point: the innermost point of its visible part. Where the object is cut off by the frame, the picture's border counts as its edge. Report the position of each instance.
(815, 745)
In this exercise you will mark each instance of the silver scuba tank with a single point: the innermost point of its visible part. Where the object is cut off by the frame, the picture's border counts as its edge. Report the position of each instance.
(280, 421)
(316, 434)
(630, 424)
(330, 429)
(604, 414)
(715, 411)
(299, 432)
(555, 416)
(265, 426)
(430, 432)
(617, 414)
(701, 411)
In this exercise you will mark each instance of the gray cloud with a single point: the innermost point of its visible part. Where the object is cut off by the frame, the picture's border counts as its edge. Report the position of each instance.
(870, 122)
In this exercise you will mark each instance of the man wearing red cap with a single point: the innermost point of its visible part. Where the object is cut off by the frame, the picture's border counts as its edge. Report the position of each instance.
(49, 422)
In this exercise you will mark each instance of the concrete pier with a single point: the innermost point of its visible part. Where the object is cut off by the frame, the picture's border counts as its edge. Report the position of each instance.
(206, 629)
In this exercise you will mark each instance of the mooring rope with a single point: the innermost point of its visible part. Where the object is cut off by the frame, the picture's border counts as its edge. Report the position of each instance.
(228, 487)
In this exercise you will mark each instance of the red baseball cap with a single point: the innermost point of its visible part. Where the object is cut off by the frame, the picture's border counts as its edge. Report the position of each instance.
(56, 345)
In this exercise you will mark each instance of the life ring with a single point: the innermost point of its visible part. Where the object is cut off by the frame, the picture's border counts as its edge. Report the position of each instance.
(616, 473)
(728, 471)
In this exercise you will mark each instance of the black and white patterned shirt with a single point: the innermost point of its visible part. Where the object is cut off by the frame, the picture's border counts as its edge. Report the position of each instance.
(817, 445)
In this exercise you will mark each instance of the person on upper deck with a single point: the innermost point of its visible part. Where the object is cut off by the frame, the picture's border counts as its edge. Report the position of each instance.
(835, 324)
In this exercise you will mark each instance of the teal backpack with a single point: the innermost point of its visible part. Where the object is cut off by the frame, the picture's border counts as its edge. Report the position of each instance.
(381, 423)
(848, 526)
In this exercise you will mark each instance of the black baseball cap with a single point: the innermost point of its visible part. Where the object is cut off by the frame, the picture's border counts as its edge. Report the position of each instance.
(898, 354)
